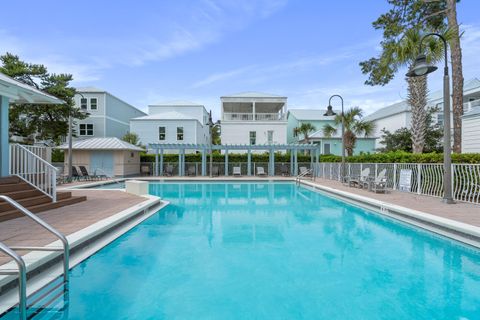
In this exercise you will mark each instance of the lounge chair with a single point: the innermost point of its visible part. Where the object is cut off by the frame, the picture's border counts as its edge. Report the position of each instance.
(169, 170)
(76, 175)
(192, 171)
(145, 170)
(261, 172)
(284, 170)
(358, 181)
(379, 184)
(215, 171)
(237, 171)
(88, 176)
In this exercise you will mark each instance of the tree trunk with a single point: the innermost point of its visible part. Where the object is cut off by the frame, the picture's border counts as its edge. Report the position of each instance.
(350, 140)
(417, 99)
(457, 75)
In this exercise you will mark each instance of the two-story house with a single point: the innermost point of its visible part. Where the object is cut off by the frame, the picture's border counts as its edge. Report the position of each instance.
(254, 118)
(173, 122)
(108, 116)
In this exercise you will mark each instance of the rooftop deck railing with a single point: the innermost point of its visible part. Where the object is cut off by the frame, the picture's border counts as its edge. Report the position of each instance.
(239, 116)
(467, 106)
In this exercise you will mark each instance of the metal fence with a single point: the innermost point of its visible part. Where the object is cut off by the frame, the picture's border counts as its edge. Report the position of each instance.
(426, 179)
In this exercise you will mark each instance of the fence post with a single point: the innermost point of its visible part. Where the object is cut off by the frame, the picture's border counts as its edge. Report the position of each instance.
(419, 178)
(394, 176)
(376, 170)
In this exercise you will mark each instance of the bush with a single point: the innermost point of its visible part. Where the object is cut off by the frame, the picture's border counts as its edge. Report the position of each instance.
(388, 157)
(58, 155)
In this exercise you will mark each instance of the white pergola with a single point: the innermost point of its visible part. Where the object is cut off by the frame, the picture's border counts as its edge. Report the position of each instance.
(204, 149)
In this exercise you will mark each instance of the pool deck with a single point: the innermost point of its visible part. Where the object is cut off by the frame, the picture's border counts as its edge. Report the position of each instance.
(100, 204)
(462, 212)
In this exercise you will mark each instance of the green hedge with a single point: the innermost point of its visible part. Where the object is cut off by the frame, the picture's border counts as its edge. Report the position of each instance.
(389, 157)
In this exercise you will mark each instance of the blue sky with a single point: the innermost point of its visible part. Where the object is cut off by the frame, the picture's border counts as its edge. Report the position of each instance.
(151, 51)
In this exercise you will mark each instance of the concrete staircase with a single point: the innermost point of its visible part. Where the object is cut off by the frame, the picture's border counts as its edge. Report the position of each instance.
(31, 198)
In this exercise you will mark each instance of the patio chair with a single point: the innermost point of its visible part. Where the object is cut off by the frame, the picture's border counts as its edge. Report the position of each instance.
(284, 170)
(215, 171)
(379, 184)
(145, 170)
(88, 176)
(237, 171)
(261, 172)
(169, 170)
(358, 181)
(192, 171)
(76, 175)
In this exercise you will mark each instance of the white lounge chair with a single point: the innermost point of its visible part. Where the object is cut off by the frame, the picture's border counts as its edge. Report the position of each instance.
(359, 180)
(304, 172)
(237, 172)
(380, 182)
(261, 172)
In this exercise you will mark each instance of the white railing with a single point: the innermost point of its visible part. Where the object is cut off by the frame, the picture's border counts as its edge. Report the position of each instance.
(34, 170)
(426, 178)
(43, 152)
(237, 116)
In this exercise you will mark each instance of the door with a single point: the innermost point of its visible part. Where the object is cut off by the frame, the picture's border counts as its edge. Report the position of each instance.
(102, 160)
(326, 148)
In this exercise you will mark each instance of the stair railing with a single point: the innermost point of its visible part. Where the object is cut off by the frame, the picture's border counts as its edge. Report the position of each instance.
(33, 170)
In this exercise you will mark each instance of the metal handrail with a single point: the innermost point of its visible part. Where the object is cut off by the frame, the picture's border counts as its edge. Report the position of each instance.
(22, 280)
(22, 270)
(303, 174)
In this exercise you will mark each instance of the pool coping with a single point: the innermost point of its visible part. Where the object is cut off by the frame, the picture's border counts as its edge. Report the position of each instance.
(459, 231)
(86, 237)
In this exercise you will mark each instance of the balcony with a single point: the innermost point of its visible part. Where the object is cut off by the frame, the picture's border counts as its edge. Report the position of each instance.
(467, 106)
(236, 116)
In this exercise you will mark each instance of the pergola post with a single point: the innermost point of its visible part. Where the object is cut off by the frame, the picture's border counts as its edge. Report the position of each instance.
(295, 163)
(311, 159)
(317, 160)
(271, 164)
(291, 161)
(204, 162)
(161, 161)
(180, 162)
(226, 162)
(156, 163)
(249, 162)
(183, 162)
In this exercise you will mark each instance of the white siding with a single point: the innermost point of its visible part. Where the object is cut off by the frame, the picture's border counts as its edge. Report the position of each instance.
(471, 134)
(194, 112)
(239, 133)
(391, 124)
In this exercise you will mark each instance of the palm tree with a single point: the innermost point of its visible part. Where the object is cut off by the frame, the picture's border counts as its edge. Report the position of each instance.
(354, 127)
(304, 129)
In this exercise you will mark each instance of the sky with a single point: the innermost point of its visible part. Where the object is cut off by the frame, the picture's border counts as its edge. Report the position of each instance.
(146, 52)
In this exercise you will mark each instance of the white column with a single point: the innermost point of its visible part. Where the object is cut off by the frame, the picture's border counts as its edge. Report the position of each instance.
(254, 111)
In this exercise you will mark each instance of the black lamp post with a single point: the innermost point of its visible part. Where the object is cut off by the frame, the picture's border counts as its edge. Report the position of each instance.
(330, 112)
(421, 68)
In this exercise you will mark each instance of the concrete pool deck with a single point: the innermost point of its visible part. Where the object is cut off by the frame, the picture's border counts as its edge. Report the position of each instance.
(100, 204)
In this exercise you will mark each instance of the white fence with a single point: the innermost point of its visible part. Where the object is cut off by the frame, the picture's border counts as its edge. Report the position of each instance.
(426, 179)
(34, 170)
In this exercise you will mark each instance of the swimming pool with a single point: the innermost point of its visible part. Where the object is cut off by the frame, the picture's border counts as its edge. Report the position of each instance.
(273, 251)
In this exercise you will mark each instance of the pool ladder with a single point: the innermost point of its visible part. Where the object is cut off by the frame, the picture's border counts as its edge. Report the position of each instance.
(21, 267)
(303, 175)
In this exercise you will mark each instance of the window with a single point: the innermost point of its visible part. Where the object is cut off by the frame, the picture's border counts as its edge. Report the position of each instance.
(161, 133)
(86, 129)
(93, 103)
(83, 103)
(270, 136)
(440, 119)
(179, 133)
(253, 137)
(326, 148)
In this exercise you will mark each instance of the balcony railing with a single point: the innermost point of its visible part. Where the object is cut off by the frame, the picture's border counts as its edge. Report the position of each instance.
(236, 116)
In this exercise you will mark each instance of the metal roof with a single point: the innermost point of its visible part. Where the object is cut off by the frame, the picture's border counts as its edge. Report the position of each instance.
(90, 89)
(19, 92)
(253, 94)
(101, 144)
(311, 114)
(180, 146)
(396, 108)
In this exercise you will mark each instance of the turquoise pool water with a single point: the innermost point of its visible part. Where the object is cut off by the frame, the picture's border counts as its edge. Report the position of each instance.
(272, 251)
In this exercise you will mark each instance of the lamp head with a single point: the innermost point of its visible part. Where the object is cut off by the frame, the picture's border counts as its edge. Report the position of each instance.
(420, 67)
(329, 112)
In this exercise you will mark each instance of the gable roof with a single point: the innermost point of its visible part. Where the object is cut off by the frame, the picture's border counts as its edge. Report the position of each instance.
(19, 92)
(253, 94)
(311, 114)
(171, 115)
(101, 144)
(390, 110)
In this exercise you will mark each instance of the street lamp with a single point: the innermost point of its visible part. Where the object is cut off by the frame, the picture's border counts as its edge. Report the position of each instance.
(330, 112)
(70, 140)
(211, 125)
(421, 68)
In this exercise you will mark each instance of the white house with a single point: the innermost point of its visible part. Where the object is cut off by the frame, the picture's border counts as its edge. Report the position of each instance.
(399, 115)
(173, 122)
(471, 131)
(108, 116)
(254, 118)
